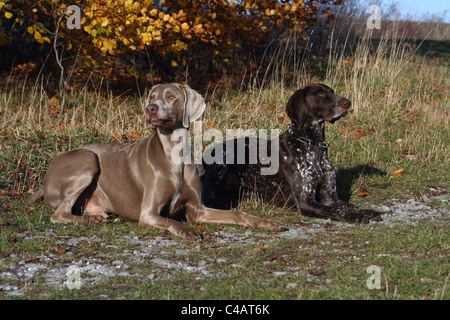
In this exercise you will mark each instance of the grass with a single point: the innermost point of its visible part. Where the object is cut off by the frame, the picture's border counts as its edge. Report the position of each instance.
(331, 264)
(394, 144)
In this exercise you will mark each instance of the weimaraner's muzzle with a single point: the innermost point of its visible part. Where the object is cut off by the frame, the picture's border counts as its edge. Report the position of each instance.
(141, 181)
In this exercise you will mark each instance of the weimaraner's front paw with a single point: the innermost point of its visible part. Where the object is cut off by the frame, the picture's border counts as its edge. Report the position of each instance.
(97, 219)
(190, 234)
(272, 225)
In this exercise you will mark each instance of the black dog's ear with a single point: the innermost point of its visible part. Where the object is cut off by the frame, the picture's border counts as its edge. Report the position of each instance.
(297, 107)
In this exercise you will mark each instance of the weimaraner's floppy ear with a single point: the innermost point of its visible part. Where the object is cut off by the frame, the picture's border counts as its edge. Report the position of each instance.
(193, 107)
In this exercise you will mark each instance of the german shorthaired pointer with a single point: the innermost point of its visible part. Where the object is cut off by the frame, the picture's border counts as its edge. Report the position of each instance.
(141, 181)
(306, 178)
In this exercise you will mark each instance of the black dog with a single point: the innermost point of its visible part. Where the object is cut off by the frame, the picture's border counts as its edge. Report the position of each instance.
(306, 178)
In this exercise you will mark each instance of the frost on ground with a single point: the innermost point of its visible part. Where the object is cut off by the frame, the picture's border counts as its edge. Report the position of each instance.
(414, 211)
(165, 255)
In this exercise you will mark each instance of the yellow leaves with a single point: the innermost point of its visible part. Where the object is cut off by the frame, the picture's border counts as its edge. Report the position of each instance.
(105, 22)
(185, 26)
(20, 20)
(129, 4)
(179, 45)
(116, 26)
(146, 38)
(179, 14)
(107, 45)
(87, 28)
(156, 34)
(37, 36)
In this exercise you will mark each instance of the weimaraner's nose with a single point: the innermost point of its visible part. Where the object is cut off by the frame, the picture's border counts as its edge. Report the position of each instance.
(151, 109)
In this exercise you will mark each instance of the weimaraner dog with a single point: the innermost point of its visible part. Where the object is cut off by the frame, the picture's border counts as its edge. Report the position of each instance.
(141, 181)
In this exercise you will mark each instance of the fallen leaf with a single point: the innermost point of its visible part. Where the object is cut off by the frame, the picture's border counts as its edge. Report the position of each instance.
(258, 249)
(317, 272)
(397, 173)
(363, 193)
(273, 258)
(60, 251)
(382, 186)
(411, 156)
(291, 293)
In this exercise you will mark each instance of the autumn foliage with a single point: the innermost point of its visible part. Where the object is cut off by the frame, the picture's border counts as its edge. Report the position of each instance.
(175, 30)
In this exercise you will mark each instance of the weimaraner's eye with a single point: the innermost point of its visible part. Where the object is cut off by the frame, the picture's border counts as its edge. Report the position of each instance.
(170, 96)
(152, 97)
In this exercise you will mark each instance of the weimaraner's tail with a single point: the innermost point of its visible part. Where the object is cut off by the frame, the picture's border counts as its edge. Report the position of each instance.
(37, 196)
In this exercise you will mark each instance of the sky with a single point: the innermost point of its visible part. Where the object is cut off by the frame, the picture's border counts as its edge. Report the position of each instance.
(419, 8)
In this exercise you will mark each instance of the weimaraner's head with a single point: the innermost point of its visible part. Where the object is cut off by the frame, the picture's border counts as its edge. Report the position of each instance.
(172, 105)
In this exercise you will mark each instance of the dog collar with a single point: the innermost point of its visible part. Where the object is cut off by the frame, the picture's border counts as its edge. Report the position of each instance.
(322, 145)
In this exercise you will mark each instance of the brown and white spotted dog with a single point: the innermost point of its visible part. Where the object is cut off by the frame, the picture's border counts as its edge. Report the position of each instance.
(306, 178)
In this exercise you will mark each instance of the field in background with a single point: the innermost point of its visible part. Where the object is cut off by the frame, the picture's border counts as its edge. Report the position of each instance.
(393, 145)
